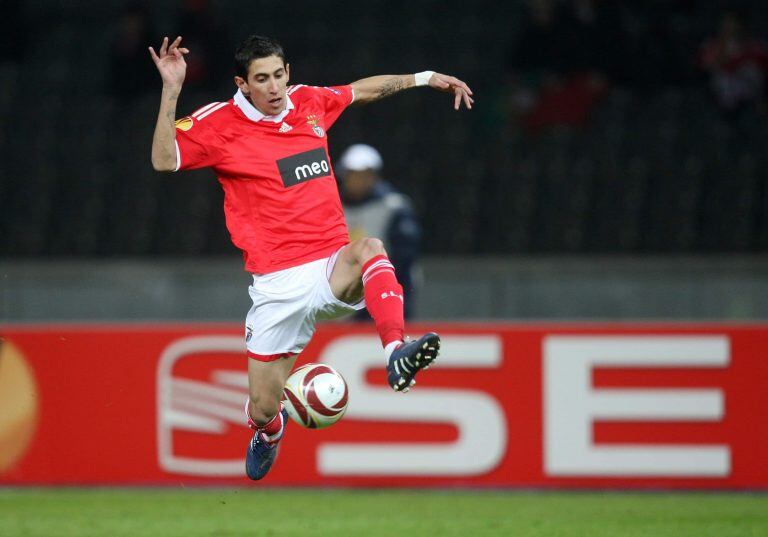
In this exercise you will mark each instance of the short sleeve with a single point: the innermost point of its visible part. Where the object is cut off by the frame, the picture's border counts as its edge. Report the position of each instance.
(335, 99)
(196, 144)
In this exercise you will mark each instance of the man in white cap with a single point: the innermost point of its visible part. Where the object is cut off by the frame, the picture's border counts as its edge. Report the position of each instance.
(373, 208)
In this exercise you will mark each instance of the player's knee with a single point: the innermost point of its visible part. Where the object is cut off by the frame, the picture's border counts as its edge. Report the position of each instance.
(369, 248)
(263, 408)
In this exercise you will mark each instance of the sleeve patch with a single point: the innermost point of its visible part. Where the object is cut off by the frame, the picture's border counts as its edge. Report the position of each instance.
(184, 124)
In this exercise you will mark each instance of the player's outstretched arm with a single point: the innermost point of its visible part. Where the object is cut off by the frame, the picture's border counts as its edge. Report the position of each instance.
(172, 68)
(374, 88)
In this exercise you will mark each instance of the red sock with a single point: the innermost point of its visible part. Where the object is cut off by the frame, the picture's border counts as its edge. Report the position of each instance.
(272, 431)
(384, 298)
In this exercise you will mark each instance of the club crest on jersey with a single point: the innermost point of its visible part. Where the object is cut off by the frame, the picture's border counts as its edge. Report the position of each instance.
(317, 129)
(285, 128)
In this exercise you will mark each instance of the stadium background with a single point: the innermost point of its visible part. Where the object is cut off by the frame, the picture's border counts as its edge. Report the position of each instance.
(651, 205)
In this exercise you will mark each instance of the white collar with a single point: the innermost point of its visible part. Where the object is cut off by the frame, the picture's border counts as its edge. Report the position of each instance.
(252, 113)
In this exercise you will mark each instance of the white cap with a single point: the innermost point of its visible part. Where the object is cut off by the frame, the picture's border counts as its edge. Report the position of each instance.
(360, 157)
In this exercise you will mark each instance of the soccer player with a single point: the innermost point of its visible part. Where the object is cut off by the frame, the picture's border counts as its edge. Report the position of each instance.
(269, 149)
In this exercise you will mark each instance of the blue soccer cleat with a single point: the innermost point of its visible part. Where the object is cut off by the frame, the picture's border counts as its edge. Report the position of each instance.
(410, 358)
(260, 455)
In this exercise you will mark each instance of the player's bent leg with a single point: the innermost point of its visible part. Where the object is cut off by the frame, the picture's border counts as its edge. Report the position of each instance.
(363, 265)
(365, 262)
(346, 283)
(265, 413)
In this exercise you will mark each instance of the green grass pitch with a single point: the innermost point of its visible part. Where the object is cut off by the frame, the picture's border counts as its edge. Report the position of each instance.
(369, 513)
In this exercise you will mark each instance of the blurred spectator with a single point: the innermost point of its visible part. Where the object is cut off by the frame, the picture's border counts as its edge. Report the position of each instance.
(373, 208)
(130, 74)
(556, 67)
(736, 64)
(207, 64)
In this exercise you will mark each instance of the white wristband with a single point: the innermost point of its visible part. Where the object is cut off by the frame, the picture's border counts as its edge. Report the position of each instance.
(422, 79)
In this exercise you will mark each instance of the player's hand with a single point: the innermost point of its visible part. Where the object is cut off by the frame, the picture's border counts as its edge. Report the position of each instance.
(453, 85)
(170, 62)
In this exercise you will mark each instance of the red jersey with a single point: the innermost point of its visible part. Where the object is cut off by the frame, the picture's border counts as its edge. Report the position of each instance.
(281, 201)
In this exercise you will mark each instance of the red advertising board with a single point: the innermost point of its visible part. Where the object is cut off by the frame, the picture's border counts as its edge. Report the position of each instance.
(549, 405)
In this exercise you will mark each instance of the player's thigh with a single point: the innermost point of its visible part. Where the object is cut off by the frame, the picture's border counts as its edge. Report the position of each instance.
(345, 279)
(267, 379)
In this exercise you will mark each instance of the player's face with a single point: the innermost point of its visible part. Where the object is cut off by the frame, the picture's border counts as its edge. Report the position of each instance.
(265, 87)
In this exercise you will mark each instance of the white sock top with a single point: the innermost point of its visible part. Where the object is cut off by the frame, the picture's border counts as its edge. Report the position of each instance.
(391, 347)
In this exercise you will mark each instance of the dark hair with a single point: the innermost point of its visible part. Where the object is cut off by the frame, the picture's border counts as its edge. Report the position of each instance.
(253, 48)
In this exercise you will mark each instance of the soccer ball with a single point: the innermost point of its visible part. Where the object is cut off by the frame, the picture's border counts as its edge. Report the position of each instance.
(315, 396)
